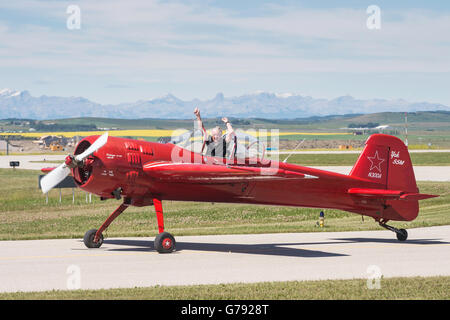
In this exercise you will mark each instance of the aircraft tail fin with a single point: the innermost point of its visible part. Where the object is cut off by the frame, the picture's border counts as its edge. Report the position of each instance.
(385, 160)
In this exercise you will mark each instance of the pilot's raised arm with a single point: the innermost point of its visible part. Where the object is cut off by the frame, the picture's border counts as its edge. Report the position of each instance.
(230, 131)
(200, 123)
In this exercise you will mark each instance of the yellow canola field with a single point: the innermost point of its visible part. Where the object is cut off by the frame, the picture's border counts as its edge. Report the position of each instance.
(269, 133)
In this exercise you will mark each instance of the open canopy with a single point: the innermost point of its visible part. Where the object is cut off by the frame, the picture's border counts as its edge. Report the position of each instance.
(242, 145)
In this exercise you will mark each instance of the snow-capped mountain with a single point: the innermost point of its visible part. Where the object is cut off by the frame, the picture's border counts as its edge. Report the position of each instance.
(8, 93)
(21, 104)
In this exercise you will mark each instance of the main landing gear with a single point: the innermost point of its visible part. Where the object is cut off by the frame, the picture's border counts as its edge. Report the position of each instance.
(164, 241)
(402, 234)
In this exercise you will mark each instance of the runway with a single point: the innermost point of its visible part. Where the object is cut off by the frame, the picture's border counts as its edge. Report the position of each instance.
(37, 265)
(32, 162)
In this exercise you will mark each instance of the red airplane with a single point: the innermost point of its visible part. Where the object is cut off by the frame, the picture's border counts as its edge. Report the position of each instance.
(381, 184)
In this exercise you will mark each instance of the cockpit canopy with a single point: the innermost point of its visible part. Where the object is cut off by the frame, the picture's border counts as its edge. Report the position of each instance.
(242, 146)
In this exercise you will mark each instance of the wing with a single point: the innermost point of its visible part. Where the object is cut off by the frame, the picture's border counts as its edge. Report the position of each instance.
(212, 174)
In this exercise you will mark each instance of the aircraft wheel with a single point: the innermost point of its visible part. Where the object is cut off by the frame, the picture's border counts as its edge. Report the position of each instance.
(165, 243)
(89, 239)
(402, 235)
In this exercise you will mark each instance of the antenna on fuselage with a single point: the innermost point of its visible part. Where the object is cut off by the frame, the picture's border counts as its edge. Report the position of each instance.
(406, 129)
(284, 161)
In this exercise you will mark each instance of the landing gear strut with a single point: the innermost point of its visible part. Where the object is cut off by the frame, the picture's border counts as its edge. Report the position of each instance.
(402, 234)
(94, 238)
(164, 241)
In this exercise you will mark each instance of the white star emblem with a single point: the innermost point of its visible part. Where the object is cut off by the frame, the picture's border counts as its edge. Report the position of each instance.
(375, 161)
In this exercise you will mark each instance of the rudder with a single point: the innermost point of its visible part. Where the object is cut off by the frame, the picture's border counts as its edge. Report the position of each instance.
(385, 160)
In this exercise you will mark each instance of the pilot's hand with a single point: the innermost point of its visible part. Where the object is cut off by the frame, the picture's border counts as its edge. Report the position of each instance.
(197, 112)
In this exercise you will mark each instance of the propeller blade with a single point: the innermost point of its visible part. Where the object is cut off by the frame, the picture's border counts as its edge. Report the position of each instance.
(54, 177)
(59, 173)
(100, 142)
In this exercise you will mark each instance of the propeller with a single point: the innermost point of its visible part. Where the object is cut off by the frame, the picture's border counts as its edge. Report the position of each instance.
(100, 142)
(63, 170)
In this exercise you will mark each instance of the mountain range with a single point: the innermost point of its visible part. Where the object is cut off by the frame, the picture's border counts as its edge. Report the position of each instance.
(21, 104)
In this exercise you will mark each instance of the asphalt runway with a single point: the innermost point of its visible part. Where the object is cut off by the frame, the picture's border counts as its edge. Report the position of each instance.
(31, 162)
(36, 265)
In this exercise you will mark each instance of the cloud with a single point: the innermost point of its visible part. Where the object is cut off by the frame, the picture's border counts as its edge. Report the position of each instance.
(169, 32)
(182, 41)
(42, 82)
(118, 86)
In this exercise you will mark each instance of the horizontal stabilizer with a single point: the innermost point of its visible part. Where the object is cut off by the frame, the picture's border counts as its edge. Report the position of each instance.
(417, 196)
(389, 194)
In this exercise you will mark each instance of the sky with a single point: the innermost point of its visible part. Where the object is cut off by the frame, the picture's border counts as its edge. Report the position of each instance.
(125, 51)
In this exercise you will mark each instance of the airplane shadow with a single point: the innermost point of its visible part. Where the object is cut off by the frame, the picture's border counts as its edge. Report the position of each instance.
(275, 249)
(272, 249)
(407, 242)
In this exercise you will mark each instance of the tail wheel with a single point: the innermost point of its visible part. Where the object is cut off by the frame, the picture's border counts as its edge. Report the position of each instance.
(165, 243)
(89, 239)
(402, 235)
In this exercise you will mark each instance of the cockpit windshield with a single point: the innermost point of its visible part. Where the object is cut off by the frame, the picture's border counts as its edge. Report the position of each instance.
(243, 144)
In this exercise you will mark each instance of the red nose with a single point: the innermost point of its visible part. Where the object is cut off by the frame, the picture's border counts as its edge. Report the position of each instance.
(68, 160)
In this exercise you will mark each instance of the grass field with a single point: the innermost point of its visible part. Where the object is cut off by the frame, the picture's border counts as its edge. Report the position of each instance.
(390, 289)
(25, 215)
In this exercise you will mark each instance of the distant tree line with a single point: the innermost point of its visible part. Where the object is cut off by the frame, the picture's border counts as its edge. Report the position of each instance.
(64, 127)
(234, 121)
(45, 126)
(364, 125)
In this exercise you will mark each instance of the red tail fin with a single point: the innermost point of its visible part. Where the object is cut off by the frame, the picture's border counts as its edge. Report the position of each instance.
(385, 160)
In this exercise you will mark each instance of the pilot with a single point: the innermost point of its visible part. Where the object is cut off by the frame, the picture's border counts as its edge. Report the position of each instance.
(216, 143)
